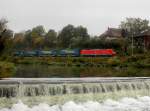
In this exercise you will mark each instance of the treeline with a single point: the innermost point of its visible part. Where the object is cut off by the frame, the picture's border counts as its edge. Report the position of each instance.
(38, 38)
(72, 37)
(69, 37)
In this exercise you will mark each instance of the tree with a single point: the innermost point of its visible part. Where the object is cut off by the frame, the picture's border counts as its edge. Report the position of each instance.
(51, 39)
(19, 41)
(38, 43)
(134, 26)
(3, 25)
(71, 36)
(5, 36)
(37, 37)
(38, 31)
(81, 32)
(33, 36)
(65, 36)
(28, 39)
(80, 38)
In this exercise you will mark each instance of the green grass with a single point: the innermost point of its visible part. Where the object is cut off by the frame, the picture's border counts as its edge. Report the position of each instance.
(124, 66)
(7, 69)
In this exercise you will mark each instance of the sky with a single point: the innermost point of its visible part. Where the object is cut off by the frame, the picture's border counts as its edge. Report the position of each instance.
(95, 15)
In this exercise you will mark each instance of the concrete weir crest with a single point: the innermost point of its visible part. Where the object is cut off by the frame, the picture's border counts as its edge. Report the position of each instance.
(21, 87)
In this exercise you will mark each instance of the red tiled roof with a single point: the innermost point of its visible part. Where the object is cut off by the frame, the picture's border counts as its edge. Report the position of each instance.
(112, 32)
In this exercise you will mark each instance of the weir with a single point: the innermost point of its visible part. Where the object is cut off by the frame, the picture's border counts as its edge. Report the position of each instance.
(31, 87)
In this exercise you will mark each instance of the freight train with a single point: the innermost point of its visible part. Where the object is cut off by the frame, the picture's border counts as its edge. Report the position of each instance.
(68, 52)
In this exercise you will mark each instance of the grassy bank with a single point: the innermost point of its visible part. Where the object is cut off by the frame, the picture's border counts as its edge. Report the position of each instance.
(7, 69)
(139, 61)
(129, 66)
(82, 71)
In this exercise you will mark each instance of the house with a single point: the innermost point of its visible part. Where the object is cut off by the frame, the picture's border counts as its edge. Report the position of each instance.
(113, 33)
(143, 40)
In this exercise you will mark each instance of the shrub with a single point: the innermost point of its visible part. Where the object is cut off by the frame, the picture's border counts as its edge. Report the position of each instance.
(114, 61)
(6, 69)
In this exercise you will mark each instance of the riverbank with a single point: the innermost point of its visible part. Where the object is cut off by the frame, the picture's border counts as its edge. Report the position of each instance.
(123, 66)
(7, 69)
(138, 65)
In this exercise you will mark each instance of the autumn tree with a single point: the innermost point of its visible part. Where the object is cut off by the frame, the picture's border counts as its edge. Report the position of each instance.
(34, 38)
(19, 41)
(28, 40)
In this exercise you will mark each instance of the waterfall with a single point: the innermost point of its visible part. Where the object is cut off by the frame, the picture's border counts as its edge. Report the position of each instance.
(29, 88)
(58, 91)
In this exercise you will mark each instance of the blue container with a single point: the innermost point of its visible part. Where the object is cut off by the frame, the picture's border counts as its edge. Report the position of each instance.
(29, 53)
(76, 52)
(44, 53)
(18, 53)
(55, 53)
(70, 52)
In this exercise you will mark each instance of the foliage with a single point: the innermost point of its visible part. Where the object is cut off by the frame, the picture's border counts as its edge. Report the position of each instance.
(19, 41)
(71, 36)
(114, 61)
(129, 66)
(135, 26)
(78, 37)
(3, 25)
(51, 39)
(5, 38)
(6, 69)
(65, 36)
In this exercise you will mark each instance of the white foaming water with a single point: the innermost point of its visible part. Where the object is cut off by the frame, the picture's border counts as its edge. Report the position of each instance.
(124, 104)
(100, 96)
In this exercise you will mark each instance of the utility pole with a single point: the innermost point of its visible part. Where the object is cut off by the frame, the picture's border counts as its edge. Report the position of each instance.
(144, 45)
(132, 46)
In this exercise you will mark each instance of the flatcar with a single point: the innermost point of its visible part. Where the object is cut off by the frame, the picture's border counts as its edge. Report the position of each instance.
(68, 52)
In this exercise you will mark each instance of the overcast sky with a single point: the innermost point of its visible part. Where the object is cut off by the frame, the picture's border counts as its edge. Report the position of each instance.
(96, 15)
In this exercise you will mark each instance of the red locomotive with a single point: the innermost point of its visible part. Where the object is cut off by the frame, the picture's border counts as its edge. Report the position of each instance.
(97, 52)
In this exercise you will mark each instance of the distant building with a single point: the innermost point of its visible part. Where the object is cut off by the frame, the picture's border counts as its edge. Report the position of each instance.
(143, 40)
(139, 41)
(113, 33)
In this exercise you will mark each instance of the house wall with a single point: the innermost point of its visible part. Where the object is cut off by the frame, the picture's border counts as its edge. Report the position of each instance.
(142, 41)
(147, 41)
